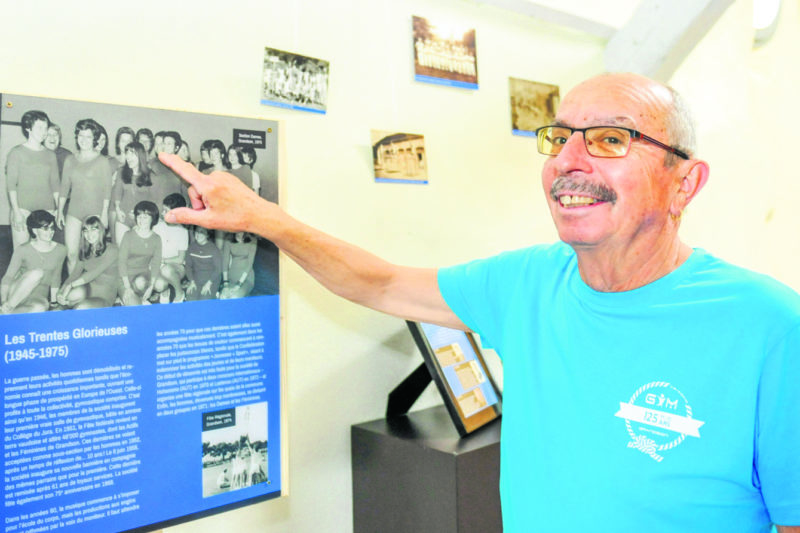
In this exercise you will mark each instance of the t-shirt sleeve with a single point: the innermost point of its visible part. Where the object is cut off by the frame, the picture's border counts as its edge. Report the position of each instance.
(482, 293)
(777, 460)
(459, 285)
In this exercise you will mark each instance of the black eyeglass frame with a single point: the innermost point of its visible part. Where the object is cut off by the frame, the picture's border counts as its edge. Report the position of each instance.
(635, 134)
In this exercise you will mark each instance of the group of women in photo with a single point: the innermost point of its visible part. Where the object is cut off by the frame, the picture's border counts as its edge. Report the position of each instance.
(115, 248)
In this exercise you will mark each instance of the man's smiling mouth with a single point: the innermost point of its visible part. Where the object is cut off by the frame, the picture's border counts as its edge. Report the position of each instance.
(577, 192)
(576, 201)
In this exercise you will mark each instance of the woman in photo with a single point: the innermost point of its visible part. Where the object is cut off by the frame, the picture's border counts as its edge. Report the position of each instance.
(123, 138)
(184, 152)
(219, 161)
(240, 168)
(87, 184)
(205, 156)
(102, 142)
(139, 256)
(32, 175)
(31, 282)
(238, 256)
(133, 185)
(145, 137)
(174, 244)
(93, 283)
(218, 157)
(53, 142)
(203, 266)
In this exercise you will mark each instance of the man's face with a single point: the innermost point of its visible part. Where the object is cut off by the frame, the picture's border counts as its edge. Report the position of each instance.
(168, 145)
(632, 194)
(38, 131)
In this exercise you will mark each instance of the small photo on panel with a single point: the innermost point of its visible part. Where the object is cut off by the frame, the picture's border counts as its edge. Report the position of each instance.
(235, 448)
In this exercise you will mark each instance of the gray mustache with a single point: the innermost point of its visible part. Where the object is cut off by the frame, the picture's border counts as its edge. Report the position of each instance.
(575, 185)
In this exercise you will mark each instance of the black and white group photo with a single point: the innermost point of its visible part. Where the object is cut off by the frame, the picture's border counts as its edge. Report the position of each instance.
(235, 456)
(295, 81)
(83, 197)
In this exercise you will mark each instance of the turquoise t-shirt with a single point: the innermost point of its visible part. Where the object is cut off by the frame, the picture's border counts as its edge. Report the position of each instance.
(674, 407)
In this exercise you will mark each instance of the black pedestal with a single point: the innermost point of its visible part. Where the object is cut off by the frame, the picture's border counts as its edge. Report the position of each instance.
(412, 473)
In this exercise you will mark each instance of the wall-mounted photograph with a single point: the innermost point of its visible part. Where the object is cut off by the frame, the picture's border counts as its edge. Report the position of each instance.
(533, 105)
(80, 180)
(399, 157)
(294, 81)
(444, 54)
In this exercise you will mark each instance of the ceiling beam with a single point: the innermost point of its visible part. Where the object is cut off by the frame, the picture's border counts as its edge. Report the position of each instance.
(655, 40)
(555, 16)
(660, 34)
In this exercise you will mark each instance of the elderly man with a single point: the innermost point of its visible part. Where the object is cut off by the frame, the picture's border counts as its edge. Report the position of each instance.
(648, 385)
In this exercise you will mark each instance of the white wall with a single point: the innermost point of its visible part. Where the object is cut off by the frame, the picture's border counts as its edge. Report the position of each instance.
(746, 106)
(484, 194)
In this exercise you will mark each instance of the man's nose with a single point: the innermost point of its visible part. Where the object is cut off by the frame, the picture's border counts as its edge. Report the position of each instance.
(573, 154)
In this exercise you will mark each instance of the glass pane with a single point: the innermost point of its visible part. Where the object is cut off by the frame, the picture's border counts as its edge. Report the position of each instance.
(607, 142)
(551, 139)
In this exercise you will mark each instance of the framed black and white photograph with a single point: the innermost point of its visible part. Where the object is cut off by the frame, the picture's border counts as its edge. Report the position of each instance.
(399, 157)
(89, 172)
(533, 105)
(444, 54)
(294, 81)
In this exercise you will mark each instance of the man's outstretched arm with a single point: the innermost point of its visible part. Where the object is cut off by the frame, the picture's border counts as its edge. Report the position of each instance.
(221, 201)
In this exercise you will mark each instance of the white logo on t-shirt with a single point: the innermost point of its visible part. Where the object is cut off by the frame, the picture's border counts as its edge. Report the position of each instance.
(658, 418)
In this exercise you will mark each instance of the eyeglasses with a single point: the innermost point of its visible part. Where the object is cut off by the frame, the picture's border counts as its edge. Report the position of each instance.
(600, 141)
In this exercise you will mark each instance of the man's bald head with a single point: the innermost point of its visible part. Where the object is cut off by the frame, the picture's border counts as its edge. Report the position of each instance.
(659, 106)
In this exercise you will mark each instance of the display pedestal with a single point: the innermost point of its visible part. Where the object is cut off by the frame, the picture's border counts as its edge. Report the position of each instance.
(413, 474)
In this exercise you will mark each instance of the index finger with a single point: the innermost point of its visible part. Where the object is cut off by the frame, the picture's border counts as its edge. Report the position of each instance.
(182, 168)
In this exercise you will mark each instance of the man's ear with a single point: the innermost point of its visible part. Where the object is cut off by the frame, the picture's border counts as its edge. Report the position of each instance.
(695, 175)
